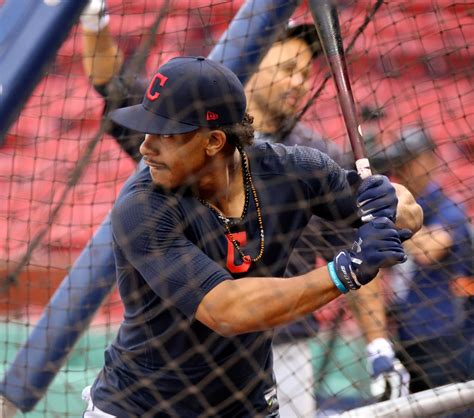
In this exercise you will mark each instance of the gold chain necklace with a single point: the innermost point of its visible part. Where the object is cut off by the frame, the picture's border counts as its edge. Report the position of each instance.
(226, 222)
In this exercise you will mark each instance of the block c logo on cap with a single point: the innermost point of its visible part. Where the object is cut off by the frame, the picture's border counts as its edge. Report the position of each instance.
(163, 79)
(211, 115)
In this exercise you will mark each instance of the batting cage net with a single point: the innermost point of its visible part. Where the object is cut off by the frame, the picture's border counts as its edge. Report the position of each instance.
(64, 166)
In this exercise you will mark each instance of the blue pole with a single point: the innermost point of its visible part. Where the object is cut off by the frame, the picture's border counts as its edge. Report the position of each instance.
(67, 315)
(251, 33)
(31, 32)
(64, 319)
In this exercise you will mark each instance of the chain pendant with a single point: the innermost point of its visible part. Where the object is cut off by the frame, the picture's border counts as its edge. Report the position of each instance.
(249, 188)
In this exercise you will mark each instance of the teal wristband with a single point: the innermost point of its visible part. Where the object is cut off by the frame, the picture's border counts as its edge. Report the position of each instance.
(335, 279)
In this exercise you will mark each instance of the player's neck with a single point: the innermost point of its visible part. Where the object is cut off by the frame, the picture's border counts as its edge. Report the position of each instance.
(223, 187)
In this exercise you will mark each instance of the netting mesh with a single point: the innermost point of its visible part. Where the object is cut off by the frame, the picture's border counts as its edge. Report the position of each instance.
(62, 168)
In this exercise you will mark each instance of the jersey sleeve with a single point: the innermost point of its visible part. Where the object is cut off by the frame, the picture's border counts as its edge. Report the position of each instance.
(149, 230)
(305, 136)
(330, 194)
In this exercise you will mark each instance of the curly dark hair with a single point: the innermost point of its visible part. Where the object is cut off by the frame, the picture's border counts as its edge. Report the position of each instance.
(240, 134)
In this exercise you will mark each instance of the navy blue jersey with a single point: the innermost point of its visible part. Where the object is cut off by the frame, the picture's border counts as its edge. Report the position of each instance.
(300, 134)
(170, 251)
(320, 238)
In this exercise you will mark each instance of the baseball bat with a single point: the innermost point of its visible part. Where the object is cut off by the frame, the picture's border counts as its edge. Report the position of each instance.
(326, 20)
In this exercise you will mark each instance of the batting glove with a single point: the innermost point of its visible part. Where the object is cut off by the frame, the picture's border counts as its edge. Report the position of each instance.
(376, 197)
(389, 378)
(94, 18)
(377, 245)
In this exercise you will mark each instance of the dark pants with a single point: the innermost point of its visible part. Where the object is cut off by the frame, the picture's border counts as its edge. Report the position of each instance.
(436, 362)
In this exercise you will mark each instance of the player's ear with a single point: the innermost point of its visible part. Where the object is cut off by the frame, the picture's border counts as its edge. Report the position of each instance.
(216, 141)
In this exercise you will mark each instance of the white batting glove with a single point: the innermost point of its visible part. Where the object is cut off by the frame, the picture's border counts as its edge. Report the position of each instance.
(7, 409)
(390, 379)
(94, 18)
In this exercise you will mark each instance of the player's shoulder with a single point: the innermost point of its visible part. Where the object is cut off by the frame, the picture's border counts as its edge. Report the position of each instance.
(139, 183)
(439, 207)
(277, 158)
(302, 134)
(452, 212)
(140, 199)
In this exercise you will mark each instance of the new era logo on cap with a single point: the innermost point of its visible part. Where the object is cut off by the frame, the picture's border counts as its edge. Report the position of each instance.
(211, 116)
(184, 94)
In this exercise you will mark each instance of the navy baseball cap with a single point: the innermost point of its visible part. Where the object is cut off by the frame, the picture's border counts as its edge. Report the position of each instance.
(413, 141)
(185, 94)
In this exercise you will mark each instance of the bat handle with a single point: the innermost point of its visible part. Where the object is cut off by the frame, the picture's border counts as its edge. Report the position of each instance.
(363, 168)
(329, 31)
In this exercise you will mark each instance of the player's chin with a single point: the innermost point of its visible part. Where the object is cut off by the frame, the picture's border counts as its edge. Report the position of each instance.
(167, 181)
(160, 178)
(289, 109)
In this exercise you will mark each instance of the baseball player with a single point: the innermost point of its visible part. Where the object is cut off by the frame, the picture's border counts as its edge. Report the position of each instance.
(273, 94)
(202, 237)
(282, 77)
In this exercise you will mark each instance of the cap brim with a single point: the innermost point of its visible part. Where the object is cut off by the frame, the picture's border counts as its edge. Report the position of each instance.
(137, 118)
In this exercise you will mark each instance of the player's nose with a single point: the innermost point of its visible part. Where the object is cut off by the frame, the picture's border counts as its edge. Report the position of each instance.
(299, 82)
(150, 145)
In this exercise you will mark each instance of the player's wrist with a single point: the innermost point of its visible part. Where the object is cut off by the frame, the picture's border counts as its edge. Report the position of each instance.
(342, 274)
(335, 278)
(95, 17)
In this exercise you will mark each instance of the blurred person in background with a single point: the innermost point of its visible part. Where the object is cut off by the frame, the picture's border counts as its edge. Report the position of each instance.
(428, 314)
(275, 93)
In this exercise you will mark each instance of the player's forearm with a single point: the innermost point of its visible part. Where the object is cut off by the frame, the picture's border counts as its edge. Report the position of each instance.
(429, 245)
(102, 58)
(409, 213)
(255, 304)
(368, 307)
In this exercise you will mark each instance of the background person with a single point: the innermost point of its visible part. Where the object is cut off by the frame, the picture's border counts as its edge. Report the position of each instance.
(428, 314)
